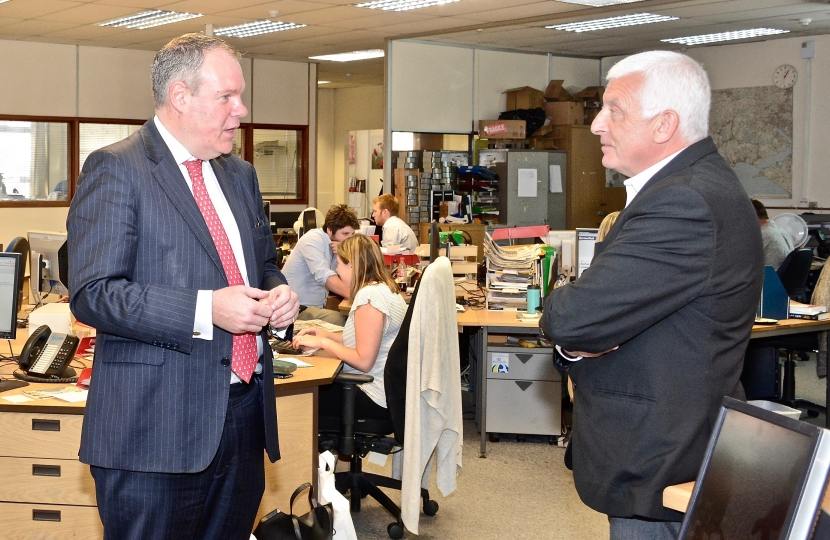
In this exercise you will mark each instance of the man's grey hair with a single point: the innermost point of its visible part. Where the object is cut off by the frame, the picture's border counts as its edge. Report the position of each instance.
(180, 60)
(671, 81)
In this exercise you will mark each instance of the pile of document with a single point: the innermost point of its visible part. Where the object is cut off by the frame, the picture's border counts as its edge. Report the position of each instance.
(510, 270)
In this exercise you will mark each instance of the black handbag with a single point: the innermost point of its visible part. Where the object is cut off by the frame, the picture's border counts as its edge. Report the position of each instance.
(317, 524)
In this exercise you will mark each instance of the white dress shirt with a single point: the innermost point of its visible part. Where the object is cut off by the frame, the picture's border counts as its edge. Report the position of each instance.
(634, 184)
(203, 322)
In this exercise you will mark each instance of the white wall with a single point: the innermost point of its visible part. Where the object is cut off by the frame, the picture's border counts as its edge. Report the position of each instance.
(752, 64)
(339, 111)
(43, 79)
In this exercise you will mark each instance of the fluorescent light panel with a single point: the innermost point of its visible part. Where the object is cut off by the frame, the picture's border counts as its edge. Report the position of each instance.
(350, 56)
(149, 19)
(612, 22)
(404, 5)
(599, 3)
(725, 36)
(255, 28)
(323, 82)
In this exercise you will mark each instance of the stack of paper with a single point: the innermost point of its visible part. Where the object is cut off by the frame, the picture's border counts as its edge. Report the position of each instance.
(510, 270)
(808, 311)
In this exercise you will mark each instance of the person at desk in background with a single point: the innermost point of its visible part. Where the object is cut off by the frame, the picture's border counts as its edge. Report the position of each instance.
(395, 231)
(777, 243)
(655, 329)
(377, 312)
(310, 269)
(173, 262)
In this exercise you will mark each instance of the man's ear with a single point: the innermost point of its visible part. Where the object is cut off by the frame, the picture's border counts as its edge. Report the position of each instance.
(666, 125)
(179, 95)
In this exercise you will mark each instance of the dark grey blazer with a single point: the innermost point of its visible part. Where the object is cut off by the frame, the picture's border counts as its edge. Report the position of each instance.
(139, 251)
(675, 284)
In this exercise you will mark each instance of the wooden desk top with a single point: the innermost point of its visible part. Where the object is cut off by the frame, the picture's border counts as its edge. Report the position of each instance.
(789, 326)
(323, 371)
(677, 497)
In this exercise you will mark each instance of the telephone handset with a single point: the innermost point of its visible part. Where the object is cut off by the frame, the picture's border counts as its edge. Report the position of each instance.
(46, 356)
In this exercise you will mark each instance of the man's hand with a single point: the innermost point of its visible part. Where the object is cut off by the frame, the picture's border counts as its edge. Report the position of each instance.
(284, 305)
(238, 309)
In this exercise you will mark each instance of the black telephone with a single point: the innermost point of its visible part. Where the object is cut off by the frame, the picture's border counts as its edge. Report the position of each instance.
(46, 357)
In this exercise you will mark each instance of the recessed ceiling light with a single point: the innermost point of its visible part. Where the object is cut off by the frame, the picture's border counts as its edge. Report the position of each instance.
(351, 56)
(255, 28)
(323, 82)
(612, 22)
(149, 19)
(725, 36)
(403, 5)
(598, 3)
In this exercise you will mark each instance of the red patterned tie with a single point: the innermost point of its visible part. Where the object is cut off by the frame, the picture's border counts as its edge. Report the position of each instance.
(244, 358)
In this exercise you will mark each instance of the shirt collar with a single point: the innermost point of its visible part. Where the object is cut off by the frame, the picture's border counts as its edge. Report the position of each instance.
(180, 153)
(634, 184)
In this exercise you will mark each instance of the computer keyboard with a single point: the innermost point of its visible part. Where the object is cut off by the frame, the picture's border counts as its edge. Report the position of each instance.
(284, 347)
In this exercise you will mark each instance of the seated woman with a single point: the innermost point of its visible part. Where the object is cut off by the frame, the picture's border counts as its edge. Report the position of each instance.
(376, 315)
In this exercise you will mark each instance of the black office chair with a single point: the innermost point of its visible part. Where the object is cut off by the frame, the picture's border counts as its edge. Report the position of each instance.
(793, 273)
(20, 245)
(356, 437)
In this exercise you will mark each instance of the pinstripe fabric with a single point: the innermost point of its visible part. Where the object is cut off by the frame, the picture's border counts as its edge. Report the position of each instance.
(139, 251)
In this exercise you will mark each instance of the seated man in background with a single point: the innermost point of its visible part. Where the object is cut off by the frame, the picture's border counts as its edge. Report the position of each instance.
(310, 269)
(395, 230)
(777, 243)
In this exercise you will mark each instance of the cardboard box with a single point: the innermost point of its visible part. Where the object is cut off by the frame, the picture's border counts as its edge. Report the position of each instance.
(502, 129)
(542, 143)
(56, 316)
(524, 98)
(556, 92)
(590, 93)
(564, 113)
(590, 114)
(542, 131)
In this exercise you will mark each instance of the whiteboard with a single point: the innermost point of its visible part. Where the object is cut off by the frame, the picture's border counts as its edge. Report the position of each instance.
(430, 87)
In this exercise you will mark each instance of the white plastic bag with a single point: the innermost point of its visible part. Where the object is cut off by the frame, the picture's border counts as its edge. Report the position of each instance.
(343, 526)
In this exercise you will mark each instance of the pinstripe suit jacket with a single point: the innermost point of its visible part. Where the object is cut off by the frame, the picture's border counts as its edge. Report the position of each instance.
(139, 251)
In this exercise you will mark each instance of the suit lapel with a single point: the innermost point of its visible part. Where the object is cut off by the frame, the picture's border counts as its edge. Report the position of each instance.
(167, 173)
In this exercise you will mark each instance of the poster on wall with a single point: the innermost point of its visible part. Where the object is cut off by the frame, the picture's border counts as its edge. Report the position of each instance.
(352, 149)
(753, 129)
(377, 156)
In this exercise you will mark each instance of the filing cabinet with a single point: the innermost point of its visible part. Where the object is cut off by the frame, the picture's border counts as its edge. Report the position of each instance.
(524, 392)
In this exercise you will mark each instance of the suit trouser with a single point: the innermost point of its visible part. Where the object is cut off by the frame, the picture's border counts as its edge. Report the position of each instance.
(642, 529)
(219, 503)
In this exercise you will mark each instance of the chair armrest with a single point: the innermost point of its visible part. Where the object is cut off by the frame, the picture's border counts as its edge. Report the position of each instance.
(352, 378)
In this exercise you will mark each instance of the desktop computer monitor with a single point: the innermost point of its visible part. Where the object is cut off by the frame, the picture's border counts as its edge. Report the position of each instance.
(10, 286)
(48, 262)
(763, 476)
(586, 239)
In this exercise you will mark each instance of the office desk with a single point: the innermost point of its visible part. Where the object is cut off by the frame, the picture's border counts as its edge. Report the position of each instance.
(677, 497)
(47, 492)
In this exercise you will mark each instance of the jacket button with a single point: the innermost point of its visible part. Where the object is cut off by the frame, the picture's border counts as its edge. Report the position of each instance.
(226, 362)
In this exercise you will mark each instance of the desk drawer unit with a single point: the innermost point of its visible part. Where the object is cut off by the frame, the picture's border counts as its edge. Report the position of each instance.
(53, 522)
(524, 392)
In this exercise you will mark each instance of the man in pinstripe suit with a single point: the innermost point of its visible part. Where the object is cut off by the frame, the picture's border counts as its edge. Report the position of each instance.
(173, 435)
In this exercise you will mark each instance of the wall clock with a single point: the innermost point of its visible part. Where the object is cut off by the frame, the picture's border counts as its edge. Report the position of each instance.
(785, 76)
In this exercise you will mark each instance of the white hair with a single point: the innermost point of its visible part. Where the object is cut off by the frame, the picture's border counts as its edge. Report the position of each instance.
(671, 81)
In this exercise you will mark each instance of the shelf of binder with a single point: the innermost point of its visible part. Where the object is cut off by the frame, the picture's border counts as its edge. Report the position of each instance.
(510, 270)
(483, 185)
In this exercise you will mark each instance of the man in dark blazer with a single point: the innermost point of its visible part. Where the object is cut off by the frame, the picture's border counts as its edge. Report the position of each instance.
(175, 427)
(655, 329)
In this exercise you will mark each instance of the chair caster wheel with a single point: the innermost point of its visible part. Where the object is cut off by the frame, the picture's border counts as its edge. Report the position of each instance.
(494, 437)
(395, 531)
(520, 438)
(430, 508)
(812, 414)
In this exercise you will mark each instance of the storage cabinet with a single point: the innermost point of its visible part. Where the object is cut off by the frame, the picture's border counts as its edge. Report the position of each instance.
(589, 199)
(524, 392)
(47, 492)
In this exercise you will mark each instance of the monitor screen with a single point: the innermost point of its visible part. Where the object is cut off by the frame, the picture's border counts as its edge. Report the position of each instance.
(763, 477)
(9, 288)
(45, 254)
(586, 239)
(283, 220)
